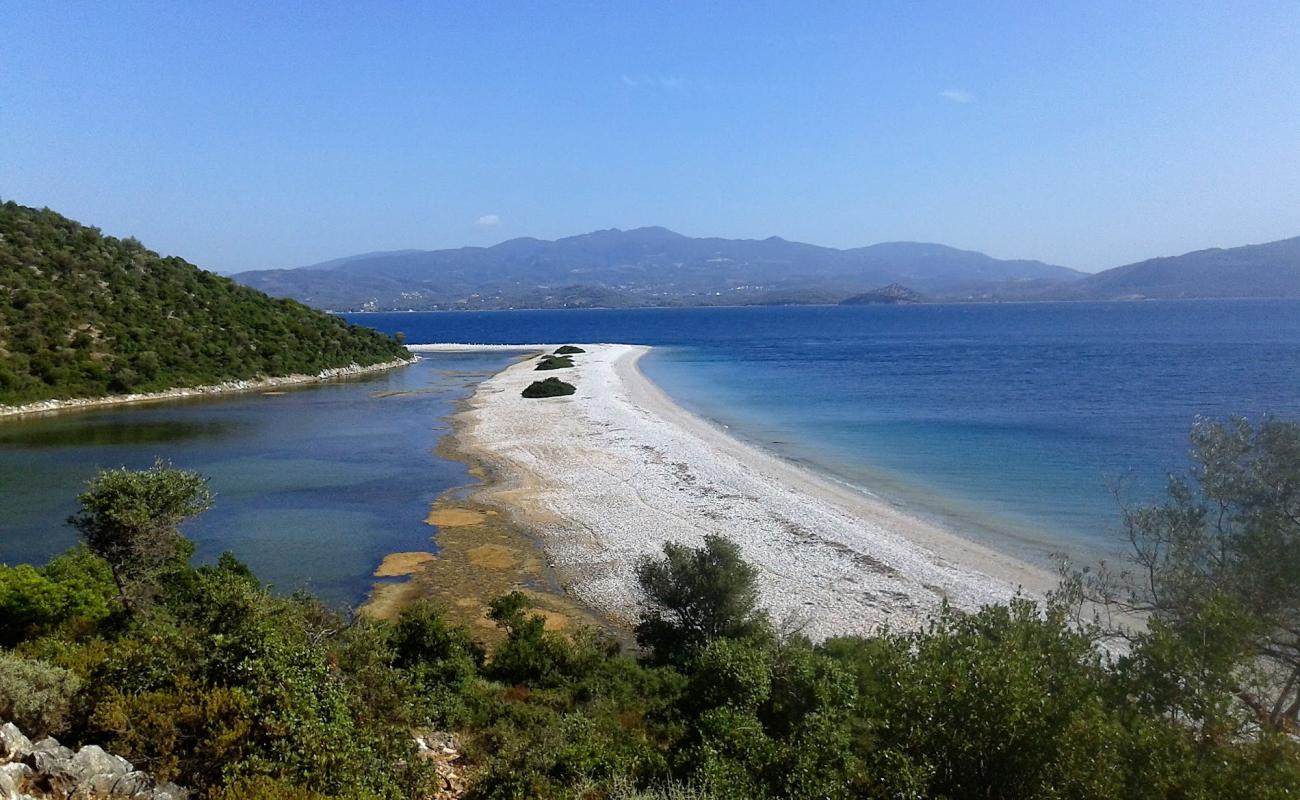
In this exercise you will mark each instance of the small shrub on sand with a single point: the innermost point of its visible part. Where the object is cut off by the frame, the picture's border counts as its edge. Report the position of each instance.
(555, 362)
(551, 387)
(568, 350)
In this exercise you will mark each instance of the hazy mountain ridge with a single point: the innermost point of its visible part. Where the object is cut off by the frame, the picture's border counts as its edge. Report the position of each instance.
(645, 266)
(657, 267)
(1257, 270)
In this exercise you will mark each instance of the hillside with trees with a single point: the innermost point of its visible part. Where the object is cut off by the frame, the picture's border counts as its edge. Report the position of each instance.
(86, 315)
(205, 678)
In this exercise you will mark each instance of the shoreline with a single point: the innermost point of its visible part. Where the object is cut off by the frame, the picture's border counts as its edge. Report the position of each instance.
(610, 474)
(478, 550)
(43, 407)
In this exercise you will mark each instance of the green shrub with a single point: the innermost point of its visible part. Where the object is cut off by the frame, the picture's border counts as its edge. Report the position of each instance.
(551, 387)
(35, 695)
(697, 595)
(530, 654)
(554, 362)
(568, 350)
(74, 590)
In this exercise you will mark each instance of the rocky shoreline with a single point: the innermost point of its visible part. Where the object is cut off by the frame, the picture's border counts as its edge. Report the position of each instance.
(259, 384)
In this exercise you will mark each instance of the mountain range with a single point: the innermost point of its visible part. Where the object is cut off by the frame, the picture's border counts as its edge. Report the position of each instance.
(657, 267)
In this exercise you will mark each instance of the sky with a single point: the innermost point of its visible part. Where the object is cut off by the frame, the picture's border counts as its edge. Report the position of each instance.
(262, 135)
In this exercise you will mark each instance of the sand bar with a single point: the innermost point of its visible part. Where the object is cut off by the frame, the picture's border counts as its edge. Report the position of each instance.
(611, 473)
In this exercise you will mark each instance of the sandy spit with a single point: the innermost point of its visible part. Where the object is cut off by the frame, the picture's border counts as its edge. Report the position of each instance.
(614, 471)
(76, 404)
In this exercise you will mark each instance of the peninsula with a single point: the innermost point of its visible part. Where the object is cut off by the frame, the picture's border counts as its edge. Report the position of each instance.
(612, 473)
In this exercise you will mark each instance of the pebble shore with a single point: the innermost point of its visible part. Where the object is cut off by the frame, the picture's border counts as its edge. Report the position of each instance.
(611, 473)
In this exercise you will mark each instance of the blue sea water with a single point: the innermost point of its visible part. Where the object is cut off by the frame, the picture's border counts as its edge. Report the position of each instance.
(314, 486)
(1005, 422)
(1012, 423)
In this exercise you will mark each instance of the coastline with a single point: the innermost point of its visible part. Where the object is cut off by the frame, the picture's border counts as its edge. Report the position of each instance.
(610, 474)
(41, 407)
(479, 552)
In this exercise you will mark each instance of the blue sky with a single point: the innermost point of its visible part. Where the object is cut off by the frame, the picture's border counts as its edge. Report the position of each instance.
(281, 134)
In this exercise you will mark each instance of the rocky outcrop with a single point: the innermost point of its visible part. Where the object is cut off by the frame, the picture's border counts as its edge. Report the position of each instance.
(442, 750)
(46, 770)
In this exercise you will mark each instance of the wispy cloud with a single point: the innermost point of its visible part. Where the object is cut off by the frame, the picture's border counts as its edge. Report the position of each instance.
(957, 96)
(670, 83)
(488, 220)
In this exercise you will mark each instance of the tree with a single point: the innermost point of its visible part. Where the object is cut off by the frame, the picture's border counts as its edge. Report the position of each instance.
(131, 519)
(697, 595)
(1218, 577)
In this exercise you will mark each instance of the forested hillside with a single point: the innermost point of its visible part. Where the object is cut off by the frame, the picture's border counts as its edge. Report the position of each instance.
(85, 315)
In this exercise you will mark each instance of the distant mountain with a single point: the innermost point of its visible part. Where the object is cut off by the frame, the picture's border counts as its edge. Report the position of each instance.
(644, 267)
(893, 294)
(85, 315)
(1257, 270)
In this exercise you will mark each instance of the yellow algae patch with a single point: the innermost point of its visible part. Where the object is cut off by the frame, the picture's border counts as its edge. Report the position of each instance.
(491, 556)
(452, 517)
(387, 600)
(481, 556)
(554, 621)
(396, 564)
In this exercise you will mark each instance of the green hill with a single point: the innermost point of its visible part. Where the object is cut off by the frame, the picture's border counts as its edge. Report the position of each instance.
(86, 315)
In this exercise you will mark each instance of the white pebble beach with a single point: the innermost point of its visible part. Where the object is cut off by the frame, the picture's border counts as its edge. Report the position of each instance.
(612, 472)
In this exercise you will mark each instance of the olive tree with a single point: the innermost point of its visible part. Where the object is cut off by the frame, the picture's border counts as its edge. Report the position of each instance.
(1216, 576)
(696, 595)
(131, 519)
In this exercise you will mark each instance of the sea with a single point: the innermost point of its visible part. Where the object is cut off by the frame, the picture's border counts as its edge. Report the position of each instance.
(1028, 427)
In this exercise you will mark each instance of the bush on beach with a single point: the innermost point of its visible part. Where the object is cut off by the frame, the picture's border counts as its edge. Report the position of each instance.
(554, 362)
(551, 387)
(568, 350)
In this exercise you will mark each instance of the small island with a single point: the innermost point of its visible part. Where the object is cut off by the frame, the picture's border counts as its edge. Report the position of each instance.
(893, 294)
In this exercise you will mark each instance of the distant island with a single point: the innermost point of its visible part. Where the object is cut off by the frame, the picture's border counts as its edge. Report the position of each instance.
(655, 267)
(83, 315)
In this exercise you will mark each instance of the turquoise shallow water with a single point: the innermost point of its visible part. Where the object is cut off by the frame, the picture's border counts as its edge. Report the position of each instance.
(313, 486)
(1010, 422)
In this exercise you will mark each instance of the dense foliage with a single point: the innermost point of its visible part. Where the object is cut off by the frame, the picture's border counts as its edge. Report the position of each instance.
(86, 315)
(554, 362)
(1218, 576)
(217, 684)
(551, 387)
